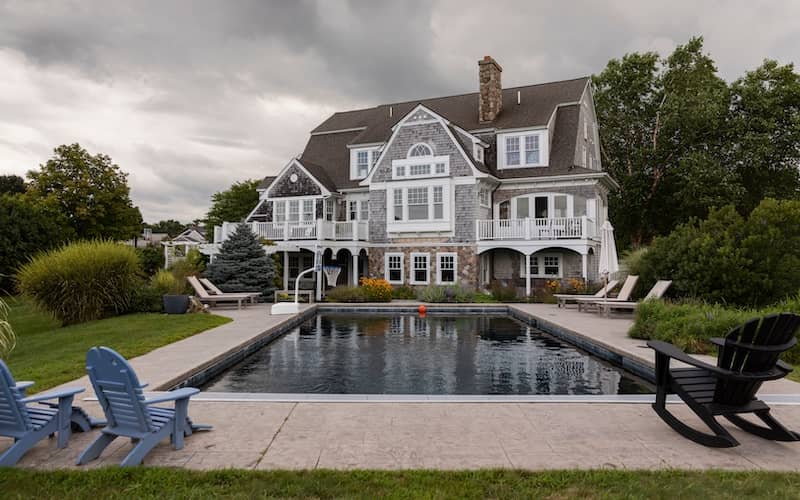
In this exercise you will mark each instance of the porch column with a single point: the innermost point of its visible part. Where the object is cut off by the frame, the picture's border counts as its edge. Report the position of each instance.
(355, 269)
(319, 277)
(585, 268)
(527, 275)
(286, 270)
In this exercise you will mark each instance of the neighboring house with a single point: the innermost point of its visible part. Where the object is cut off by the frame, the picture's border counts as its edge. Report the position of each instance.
(176, 249)
(500, 185)
(147, 238)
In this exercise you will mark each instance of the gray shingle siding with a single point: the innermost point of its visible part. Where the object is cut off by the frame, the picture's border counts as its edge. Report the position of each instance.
(283, 187)
(465, 212)
(377, 216)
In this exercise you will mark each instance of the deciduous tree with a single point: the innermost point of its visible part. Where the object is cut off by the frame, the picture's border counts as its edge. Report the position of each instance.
(233, 204)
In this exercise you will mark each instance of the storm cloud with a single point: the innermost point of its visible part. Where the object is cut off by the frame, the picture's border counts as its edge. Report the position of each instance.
(190, 96)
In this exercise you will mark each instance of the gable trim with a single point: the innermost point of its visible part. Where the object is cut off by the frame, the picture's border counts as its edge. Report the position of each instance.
(323, 190)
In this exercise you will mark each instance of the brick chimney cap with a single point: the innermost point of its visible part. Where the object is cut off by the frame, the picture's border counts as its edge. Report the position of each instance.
(490, 60)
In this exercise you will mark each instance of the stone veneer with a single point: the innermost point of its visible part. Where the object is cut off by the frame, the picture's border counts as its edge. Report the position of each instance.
(467, 270)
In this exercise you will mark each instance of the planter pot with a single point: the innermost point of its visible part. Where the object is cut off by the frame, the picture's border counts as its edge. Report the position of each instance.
(176, 304)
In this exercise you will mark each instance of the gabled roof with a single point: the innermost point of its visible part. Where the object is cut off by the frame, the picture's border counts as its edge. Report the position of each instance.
(265, 182)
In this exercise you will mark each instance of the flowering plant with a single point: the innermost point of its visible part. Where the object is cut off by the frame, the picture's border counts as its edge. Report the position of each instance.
(376, 289)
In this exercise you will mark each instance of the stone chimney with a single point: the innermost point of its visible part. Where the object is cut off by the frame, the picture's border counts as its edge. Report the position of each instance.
(490, 91)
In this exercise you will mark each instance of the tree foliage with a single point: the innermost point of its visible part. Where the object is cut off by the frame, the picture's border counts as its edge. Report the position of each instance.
(26, 229)
(171, 227)
(242, 264)
(11, 184)
(233, 204)
(91, 192)
(727, 258)
(680, 141)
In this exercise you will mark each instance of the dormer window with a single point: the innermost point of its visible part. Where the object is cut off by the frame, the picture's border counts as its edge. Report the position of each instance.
(522, 149)
(477, 152)
(419, 150)
(362, 164)
(362, 160)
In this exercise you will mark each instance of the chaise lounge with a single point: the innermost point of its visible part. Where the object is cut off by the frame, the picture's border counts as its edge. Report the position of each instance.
(624, 294)
(571, 298)
(216, 291)
(658, 291)
(206, 298)
(748, 356)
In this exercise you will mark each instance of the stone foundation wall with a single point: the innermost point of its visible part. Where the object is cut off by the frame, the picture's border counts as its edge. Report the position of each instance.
(467, 271)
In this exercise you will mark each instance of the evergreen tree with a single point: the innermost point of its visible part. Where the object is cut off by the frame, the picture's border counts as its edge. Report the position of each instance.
(242, 264)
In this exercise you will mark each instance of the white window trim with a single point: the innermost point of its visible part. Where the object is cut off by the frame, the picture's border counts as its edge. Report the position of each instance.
(402, 267)
(420, 225)
(300, 203)
(359, 209)
(477, 152)
(439, 256)
(412, 270)
(544, 151)
(550, 204)
(421, 160)
(488, 192)
(372, 154)
(424, 144)
(524, 272)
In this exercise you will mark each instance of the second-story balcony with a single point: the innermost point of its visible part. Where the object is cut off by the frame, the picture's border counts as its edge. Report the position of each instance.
(555, 228)
(300, 230)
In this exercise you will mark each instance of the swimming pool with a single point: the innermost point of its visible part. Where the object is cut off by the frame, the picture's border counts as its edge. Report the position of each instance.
(380, 353)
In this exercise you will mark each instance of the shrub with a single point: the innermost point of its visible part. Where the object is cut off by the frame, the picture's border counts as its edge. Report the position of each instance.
(346, 294)
(196, 260)
(152, 258)
(632, 260)
(183, 269)
(404, 292)
(147, 299)
(690, 324)
(7, 337)
(447, 293)
(165, 283)
(242, 265)
(729, 259)
(376, 289)
(504, 293)
(83, 281)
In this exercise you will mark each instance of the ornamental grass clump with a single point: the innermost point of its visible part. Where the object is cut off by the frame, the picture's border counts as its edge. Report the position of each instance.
(83, 281)
(7, 337)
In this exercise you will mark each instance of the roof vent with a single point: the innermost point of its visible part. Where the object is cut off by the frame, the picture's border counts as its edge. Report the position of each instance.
(390, 111)
(519, 97)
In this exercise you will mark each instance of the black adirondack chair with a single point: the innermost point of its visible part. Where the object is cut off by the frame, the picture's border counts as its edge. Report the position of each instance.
(748, 356)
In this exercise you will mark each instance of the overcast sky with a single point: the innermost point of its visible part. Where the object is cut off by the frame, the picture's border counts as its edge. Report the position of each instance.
(188, 97)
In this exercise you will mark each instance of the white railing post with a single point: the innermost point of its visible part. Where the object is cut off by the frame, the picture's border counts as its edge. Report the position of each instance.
(354, 223)
(527, 230)
(286, 230)
(320, 229)
(584, 228)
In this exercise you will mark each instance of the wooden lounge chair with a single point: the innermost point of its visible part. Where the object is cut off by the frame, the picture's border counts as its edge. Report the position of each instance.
(566, 298)
(658, 291)
(624, 294)
(129, 414)
(748, 356)
(29, 424)
(216, 291)
(206, 298)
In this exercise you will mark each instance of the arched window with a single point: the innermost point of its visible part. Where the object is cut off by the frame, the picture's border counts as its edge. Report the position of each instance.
(420, 150)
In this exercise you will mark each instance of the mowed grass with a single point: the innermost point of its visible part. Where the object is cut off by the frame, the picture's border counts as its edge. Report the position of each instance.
(51, 355)
(165, 483)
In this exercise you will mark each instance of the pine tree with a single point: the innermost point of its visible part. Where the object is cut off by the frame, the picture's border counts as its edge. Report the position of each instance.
(242, 264)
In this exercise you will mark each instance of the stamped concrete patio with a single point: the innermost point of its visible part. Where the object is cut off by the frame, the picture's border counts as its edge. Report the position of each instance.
(443, 435)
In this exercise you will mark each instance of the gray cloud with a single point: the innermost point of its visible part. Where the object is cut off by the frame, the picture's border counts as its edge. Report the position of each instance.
(190, 96)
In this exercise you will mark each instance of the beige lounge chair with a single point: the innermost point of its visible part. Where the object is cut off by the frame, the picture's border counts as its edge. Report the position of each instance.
(624, 294)
(567, 298)
(204, 297)
(658, 291)
(216, 291)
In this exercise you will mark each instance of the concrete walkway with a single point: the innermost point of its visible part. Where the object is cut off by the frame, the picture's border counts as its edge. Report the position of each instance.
(399, 435)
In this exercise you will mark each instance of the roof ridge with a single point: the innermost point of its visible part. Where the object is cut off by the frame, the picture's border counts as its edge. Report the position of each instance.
(419, 101)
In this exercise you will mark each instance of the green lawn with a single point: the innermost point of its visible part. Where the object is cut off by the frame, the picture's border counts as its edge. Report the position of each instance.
(51, 355)
(164, 483)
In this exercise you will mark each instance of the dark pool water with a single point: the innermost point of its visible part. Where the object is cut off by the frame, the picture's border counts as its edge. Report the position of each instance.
(405, 354)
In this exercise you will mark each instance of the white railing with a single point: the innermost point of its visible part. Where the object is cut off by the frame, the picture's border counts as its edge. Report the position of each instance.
(535, 229)
(299, 230)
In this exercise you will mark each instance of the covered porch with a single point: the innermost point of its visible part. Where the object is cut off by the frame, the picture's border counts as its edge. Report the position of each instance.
(352, 263)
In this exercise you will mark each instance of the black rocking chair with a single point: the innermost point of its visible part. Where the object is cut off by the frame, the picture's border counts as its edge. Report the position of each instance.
(748, 356)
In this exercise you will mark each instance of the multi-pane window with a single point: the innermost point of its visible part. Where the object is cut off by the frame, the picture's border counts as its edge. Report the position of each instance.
(294, 210)
(531, 149)
(400, 171)
(280, 211)
(438, 203)
(398, 204)
(364, 210)
(446, 266)
(440, 168)
(329, 209)
(375, 155)
(420, 267)
(394, 267)
(483, 197)
(308, 210)
(545, 266)
(353, 210)
(420, 150)
(424, 169)
(362, 163)
(418, 203)
(512, 151)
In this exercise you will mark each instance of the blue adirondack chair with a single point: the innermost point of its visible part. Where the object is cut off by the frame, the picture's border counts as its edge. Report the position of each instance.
(29, 424)
(129, 414)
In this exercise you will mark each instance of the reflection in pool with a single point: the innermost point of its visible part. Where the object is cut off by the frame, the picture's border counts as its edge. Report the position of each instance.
(339, 353)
